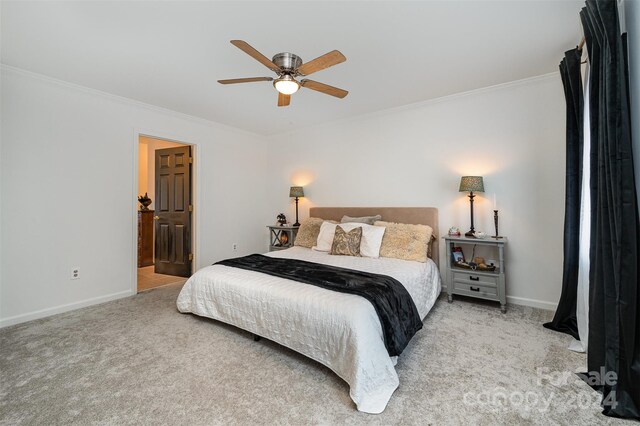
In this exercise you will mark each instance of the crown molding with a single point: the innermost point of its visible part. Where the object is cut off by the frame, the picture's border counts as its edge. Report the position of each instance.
(428, 102)
(126, 101)
(214, 124)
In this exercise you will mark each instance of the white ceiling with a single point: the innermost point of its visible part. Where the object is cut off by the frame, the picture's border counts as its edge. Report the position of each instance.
(170, 54)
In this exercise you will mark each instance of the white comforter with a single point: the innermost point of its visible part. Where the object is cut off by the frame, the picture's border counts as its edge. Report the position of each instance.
(341, 331)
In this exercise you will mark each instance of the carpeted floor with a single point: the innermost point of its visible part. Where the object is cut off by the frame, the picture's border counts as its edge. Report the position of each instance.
(139, 361)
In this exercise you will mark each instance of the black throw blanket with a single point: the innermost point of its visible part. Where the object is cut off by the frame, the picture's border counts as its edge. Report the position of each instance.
(398, 314)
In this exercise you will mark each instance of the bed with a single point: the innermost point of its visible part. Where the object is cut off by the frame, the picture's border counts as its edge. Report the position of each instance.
(341, 331)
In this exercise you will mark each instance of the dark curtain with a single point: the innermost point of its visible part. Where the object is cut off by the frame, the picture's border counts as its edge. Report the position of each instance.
(565, 318)
(614, 324)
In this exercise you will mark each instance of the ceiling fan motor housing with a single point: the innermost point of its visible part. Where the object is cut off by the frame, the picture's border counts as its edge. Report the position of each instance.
(287, 62)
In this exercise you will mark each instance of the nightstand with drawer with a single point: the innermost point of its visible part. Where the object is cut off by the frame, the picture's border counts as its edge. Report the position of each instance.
(489, 285)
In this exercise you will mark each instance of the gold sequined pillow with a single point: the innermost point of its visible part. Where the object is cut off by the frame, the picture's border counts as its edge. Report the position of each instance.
(308, 232)
(347, 243)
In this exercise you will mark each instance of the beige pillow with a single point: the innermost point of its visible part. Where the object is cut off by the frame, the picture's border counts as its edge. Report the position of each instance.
(406, 242)
(369, 220)
(346, 243)
(308, 232)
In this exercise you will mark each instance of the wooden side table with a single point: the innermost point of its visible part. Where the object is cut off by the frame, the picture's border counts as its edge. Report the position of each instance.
(145, 238)
(282, 237)
(488, 285)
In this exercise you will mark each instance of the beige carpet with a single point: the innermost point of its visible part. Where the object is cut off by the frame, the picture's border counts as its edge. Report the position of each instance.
(139, 361)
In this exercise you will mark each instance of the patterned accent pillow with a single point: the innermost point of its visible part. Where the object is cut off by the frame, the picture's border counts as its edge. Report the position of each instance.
(406, 242)
(308, 232)
(346, 243)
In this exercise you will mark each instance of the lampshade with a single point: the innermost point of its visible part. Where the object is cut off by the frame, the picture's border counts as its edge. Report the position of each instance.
(296, 191)
(471, 184)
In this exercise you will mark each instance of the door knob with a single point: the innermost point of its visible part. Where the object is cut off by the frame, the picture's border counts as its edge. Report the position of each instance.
(156, 218)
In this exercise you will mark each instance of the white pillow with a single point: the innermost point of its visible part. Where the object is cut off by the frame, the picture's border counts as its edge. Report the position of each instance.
(369, 244)
(325, 237)
(371, 239)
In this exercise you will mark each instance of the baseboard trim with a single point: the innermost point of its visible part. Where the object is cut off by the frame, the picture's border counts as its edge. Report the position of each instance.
(534, 303)
(43, 313)
(523, 301)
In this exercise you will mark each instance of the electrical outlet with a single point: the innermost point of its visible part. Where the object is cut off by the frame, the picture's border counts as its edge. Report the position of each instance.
(234, 246)
(75, 273)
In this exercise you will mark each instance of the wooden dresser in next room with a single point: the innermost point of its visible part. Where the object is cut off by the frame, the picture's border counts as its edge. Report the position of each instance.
(145, 238)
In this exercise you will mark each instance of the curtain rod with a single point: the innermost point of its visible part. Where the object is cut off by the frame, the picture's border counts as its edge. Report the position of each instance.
(580, 45)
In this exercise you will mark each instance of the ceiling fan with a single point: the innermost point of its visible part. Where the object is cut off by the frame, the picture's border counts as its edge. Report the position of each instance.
(288, 66)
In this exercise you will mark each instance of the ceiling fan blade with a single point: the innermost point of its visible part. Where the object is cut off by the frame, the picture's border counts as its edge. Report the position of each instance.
(325, 61)
(244, 80)
(283, 100)
(246, 48)
(324, 88)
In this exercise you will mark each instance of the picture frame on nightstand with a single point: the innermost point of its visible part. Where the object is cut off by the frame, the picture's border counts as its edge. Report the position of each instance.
(457, 255)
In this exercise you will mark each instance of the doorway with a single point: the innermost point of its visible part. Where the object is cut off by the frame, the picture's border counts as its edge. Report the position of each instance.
(165, 236)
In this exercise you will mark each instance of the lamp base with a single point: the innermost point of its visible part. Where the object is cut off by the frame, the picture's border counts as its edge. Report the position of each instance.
(471, 231)
(297, 223)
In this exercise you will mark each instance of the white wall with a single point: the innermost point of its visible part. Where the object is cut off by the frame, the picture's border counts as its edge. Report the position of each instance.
(1, 180)
(143, 169)
(67, 182)
(513, 135)
(632, 16)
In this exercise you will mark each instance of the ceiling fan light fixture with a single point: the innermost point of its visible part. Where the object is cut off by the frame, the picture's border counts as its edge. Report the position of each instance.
(286, 85)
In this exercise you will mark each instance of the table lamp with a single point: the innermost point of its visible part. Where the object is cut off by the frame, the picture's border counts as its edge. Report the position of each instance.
(297, 192)
(471, 184)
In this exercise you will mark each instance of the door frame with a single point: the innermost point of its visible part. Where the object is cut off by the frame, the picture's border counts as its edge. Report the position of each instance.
(195, 194)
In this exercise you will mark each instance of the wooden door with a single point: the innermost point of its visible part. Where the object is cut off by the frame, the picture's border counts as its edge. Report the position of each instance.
(173, 211)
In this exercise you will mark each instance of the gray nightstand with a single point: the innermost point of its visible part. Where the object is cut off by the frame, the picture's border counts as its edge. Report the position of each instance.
(282, 237)
(474, 283)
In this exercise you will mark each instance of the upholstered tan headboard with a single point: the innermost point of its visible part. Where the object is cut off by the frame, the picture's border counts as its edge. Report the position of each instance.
(411, 215)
